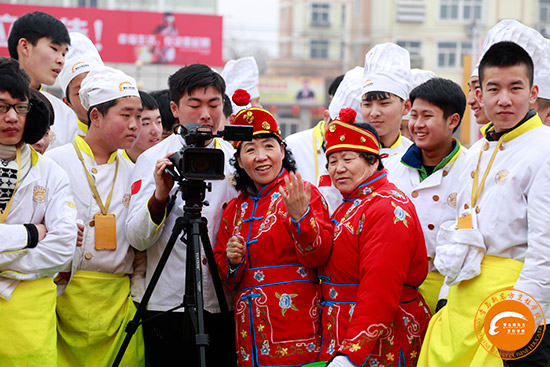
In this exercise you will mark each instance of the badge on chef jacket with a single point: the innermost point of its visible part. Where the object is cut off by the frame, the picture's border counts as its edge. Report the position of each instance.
(105, 231)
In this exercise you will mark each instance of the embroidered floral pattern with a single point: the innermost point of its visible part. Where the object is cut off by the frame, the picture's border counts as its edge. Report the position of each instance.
(259, 275)
(285, 302)
(332, 293)
(400, 214)
(302, 271)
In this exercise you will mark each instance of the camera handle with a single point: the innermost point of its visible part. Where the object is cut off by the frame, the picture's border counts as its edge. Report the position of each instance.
(194, 227)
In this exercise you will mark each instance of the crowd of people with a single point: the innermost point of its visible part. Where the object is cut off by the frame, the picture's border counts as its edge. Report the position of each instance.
(347, 244)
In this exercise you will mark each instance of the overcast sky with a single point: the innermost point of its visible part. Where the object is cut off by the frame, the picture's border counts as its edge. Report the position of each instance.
(255, 22)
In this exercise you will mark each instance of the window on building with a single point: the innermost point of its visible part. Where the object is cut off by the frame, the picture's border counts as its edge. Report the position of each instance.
(410, 11)
(461, 10)
(450, 54)
(544, 11)
(90, 3)
(319, 49)
(415, 51)
(320, 14)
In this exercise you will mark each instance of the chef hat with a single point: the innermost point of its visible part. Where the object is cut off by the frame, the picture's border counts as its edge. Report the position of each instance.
(105, 84)
(387, 69)
(241, 74)
(81, 58)
(542, 73)
(348, 93)
(530, 40)
(419, 76)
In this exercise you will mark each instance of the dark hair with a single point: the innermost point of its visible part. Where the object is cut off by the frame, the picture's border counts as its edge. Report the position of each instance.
(370, 158)
(13, 79)
(103, 108)
(148, 102)
(445, 94)
(335, 84)
(378, 95)
(243, 180)
(34, 26)
(227, 106)
(190, 77)
(505, 54)
(163, 101)
(39, 118)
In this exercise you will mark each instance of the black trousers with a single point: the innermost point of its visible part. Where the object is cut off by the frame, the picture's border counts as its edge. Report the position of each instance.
(537, 358)
(170, 340)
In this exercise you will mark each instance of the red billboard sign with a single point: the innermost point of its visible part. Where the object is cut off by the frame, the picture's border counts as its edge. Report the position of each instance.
(128, 36)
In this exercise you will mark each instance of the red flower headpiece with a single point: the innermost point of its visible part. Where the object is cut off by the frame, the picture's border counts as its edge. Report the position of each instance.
(343, 135)
(347, 115)
(262, 120)
(241, 97)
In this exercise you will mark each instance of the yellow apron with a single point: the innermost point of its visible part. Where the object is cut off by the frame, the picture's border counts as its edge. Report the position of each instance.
(92, 315)
(430, 289)
(451, 339)
(27, 325)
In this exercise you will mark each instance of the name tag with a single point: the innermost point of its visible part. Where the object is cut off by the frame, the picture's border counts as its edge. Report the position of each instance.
(105, 231)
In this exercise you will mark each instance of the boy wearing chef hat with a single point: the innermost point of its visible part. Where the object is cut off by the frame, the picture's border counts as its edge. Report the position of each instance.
(98, 290)
(385, 95)
(81, 58)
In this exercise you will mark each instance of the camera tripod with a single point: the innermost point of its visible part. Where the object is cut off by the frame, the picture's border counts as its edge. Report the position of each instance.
(195, 231)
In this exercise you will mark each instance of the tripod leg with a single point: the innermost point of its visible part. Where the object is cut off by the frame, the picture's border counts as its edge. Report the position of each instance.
(134, 323)
(213, 267)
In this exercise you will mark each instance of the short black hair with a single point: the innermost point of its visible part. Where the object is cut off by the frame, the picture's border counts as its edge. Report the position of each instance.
(378, 95)
(103, 108)
(335, 84)
(39, 118)
(13, 79)
(34, 26)
(243, 180)
(370, 158)
(505, 54)
(227, 106)
(148, 102)
(190, 77)
(444, 93)
(163, 101)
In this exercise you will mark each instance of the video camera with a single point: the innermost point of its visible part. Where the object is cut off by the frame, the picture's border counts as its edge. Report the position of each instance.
(194, 161)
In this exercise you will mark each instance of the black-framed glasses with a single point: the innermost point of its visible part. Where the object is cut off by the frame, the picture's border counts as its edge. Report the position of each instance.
(21, 108)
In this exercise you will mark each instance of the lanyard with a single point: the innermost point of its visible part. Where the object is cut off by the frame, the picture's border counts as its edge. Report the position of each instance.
(476, 190)
(314, 133)
(4, 214)
(104, 208)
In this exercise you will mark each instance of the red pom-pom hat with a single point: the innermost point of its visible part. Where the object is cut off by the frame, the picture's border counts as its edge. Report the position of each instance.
(262, 120)
(342, 135)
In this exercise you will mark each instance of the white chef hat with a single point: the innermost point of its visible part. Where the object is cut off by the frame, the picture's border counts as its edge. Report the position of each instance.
(348, 93)
(242, 73)
(81, 58)
(530, 40)
(387, 69)
(105, 84)
(542, 73)
(419, 76)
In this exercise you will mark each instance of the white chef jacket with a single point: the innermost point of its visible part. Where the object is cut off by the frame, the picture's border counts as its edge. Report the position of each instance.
(65, 126)
(42, 197)
(435, 197)
(87, 257)
(398, 148)
(513, 210)
(144, 234)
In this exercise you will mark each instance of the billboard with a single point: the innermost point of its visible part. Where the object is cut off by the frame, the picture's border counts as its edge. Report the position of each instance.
(128, 36)
(292, 90)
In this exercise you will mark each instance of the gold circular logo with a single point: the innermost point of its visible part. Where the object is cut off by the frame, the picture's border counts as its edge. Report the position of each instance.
(451, 200)
(509, 324)
(39, 194)
(501, 176)
(126, 200)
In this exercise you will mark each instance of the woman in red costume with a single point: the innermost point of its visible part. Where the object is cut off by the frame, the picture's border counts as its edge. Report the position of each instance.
(373, 314)
(271, 239)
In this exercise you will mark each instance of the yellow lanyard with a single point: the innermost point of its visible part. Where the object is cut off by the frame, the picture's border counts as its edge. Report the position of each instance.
(315, 153)
(476, 190)
(104, 208)
(4, 214)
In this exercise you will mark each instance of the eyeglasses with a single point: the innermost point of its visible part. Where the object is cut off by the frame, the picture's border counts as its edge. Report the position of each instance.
(21, 108)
